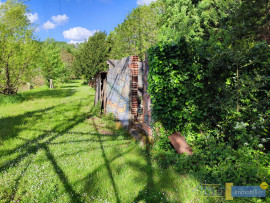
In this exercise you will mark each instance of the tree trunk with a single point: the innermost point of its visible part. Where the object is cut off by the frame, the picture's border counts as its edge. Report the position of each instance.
(9, 88)
(7, 79)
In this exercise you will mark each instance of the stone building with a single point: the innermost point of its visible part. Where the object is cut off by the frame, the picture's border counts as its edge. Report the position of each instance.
(122, 90)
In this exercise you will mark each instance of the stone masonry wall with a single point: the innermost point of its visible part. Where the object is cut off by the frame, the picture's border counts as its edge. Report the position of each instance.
(125, 92)
(119, 90)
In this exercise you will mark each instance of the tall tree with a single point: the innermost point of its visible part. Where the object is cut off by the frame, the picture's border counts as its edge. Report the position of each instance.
(92, 56)
(221, 19)
(17, 53)
(227, 36)
(252, 20)
(68, 59)
(193, 19)
(136, 34)
(50, 61)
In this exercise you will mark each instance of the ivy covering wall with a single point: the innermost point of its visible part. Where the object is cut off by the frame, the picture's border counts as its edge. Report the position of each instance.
(218, 99)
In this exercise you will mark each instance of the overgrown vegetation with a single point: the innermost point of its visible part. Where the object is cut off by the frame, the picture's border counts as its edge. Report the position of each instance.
(224, 120)
(18, 50)
(92, 56)
(213, 87)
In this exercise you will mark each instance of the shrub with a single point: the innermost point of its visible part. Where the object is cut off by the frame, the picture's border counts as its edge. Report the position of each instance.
(218, 98)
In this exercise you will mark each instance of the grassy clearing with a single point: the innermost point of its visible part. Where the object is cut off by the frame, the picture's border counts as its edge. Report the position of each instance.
(54, 148)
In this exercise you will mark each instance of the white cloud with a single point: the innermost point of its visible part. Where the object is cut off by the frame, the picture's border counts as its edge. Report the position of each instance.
(142, 2)
(78, 34)
(49, 25)
(57, 20)
(32, 17)
(60, 19)
(75, 42)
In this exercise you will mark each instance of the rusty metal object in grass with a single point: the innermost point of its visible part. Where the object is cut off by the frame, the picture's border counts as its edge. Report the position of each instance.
(180, 144)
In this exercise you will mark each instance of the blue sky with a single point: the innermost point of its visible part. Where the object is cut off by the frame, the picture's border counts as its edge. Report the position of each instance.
(75, 20)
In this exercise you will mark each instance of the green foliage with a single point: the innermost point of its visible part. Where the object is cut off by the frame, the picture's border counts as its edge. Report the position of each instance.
(213, 87)
(193, 19)
(251, 20)
(203, 94)
(217, 162)
(222, 19)
(50, 61)
(18, 50)
(174, 76)
(68, 59)
(136, 34)
(92, 56)
(194, 89)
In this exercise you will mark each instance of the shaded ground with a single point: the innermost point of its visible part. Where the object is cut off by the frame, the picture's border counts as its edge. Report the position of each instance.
(55, 148)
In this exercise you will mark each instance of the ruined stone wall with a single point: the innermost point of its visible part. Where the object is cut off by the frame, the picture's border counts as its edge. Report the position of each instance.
(126, 92)
(119, 90)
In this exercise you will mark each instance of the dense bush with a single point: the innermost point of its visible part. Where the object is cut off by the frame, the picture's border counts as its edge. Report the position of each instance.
(218, 98)
(214, 161)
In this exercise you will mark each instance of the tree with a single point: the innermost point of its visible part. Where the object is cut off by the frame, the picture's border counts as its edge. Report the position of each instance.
(136, 34)
(92, 56)
(18, 50)
(252, 20)
(50, 61)
(203, 19)
(193, 19)
(68, 59)
(226, 36)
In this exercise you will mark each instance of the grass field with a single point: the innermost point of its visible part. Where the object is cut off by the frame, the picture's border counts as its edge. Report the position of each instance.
(54, 147)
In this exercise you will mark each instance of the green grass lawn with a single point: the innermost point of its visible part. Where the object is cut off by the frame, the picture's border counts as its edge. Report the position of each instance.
(54, 147)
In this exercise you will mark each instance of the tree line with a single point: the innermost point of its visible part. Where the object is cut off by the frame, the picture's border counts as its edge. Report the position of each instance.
(23, 57)
(235, 25)
(209, 78)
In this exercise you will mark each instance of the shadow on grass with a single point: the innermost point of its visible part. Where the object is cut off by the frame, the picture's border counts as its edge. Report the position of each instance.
(11, 99)
(153, 190)
(31, 147)
(48, 93)
(63, 92)
(17, 181)
(107, 164)
(45, 139)
(10, 127)
(75, 197)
